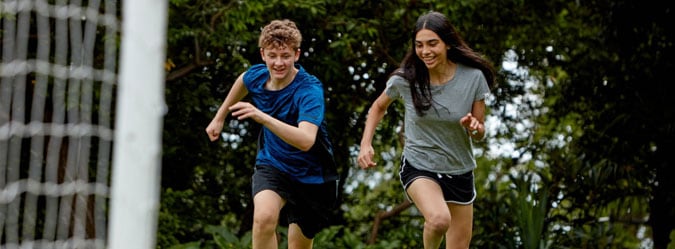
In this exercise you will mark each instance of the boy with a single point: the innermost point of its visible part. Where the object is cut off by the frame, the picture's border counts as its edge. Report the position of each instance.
(290, 170)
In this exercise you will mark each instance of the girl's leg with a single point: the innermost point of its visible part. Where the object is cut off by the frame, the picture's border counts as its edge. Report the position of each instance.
(297, 240)
(266, 207)
(459, 233)
(428, 198)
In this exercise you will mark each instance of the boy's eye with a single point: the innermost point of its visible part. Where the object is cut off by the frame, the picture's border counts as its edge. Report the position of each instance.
(285, 56)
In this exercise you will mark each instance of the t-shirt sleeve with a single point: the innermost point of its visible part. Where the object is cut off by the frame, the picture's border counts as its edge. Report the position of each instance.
(393, 88)
(311, 104)
(254, 77)
(483, 90)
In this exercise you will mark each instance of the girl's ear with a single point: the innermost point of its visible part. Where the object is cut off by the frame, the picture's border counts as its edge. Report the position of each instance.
(262, 53)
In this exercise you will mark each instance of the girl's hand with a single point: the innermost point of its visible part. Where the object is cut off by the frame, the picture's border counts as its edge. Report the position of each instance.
(365, 158)
(472, 124)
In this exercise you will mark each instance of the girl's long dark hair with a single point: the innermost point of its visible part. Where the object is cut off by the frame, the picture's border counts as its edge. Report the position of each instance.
(416, 73)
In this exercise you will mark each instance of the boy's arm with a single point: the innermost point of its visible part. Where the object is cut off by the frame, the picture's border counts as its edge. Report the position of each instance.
(237, 92)
(302, 137)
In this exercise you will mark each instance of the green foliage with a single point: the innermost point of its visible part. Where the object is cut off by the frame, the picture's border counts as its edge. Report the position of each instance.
(224, 238)
(531, 210)
(334, 237)
(191, 245)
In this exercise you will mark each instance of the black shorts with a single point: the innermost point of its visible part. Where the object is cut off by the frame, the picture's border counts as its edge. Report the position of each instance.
(308, 205)
(457, 189)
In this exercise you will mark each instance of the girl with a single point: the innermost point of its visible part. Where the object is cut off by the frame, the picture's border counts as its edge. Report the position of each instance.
(443, 84)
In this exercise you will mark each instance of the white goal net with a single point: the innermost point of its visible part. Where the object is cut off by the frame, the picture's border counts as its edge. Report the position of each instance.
(81, 91)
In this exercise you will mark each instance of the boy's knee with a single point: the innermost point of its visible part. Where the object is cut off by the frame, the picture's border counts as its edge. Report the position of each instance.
(265, 220)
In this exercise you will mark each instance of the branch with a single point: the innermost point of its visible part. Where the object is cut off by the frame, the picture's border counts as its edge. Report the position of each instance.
(196, 63)
(383, 215)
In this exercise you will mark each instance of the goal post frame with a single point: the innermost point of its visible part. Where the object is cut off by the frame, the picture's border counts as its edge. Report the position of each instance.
(134, 196)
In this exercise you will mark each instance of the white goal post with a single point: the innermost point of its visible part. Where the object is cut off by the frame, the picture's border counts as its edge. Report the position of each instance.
(81, 113)
(138, 143)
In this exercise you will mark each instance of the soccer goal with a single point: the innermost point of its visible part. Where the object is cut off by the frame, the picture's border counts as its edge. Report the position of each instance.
(81, 107)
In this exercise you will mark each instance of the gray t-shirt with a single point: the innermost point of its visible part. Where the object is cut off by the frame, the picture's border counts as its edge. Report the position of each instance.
(437, 142)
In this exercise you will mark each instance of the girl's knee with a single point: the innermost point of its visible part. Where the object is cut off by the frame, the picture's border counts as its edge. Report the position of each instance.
(438, 223)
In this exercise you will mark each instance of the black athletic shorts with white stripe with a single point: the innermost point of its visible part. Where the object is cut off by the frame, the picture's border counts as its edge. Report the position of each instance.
(457, 189)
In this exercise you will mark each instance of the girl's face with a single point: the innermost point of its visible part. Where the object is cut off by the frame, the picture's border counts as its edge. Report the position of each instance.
(280, 61)
(431, 49)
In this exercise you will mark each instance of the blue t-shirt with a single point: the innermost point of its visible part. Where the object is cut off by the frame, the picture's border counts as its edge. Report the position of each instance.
(301, 100)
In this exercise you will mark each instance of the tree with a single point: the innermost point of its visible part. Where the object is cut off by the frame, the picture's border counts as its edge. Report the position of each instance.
(600, 65)
(627, 129)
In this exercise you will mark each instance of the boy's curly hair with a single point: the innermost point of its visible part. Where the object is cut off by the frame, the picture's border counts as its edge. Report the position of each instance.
(280, 34)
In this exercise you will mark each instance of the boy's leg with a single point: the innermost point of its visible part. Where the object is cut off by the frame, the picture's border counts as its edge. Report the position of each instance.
(309, 212)
(266, 207)
(428, 198)
(297, 240)
(459, 233)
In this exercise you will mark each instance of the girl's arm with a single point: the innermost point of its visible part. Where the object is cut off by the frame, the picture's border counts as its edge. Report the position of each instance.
(375, 115)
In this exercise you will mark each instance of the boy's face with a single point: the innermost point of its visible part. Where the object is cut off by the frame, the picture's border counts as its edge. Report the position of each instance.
(280, 61)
